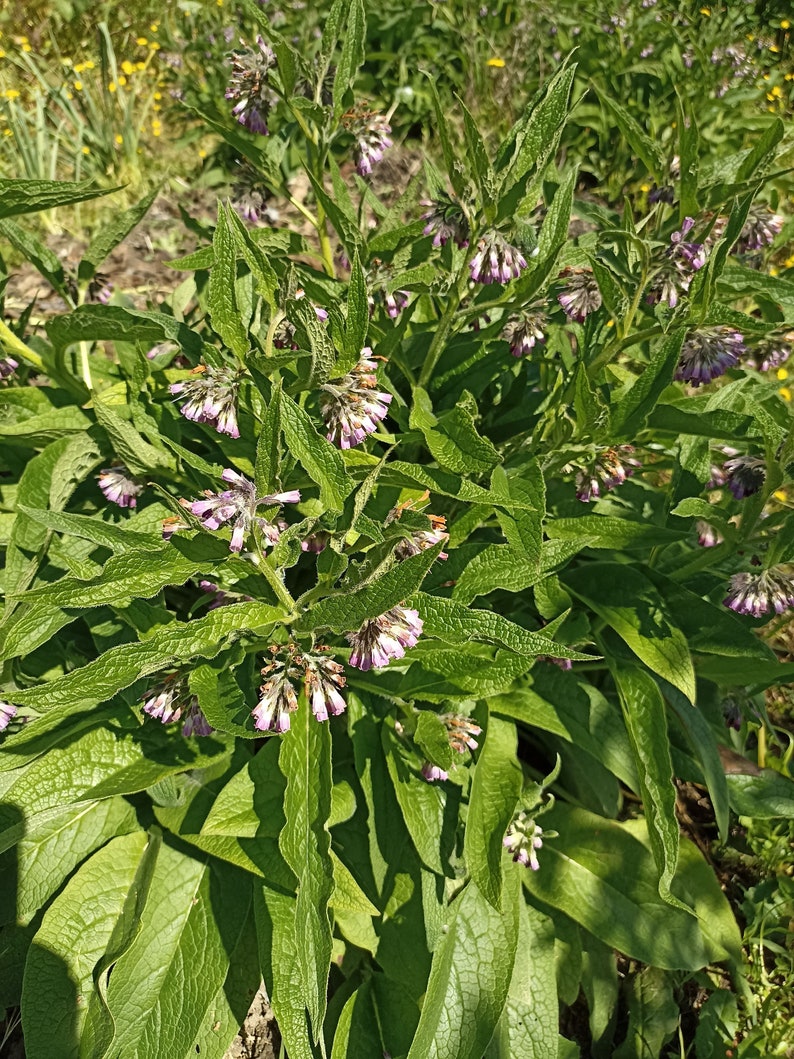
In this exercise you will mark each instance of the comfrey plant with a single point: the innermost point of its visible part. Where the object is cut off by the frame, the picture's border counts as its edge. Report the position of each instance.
(309, 585)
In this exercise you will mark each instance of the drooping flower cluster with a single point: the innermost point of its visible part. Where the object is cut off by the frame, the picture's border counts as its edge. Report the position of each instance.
(524, 332)
(119, 486)
(7, 367)
(322, 677)
(496, 261)
(7, 713)
(760, 229)
(759, 594)
(708, 353)
(420, 539)
(682, 260)
(381, 639)
(248, 85)
(371, 132)
(237, 506)
(581, 295)
(771, 352)
(523, 839)
(211, 398)
(744, 475)
(708, 536)
(462, 734)
(170, 701)
(353, 406)
(446, 220)
(380, 290)
(609, 469)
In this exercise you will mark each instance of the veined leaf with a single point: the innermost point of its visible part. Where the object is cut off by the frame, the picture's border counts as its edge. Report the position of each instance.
(222, 303)
(320, 459)
(30, 196)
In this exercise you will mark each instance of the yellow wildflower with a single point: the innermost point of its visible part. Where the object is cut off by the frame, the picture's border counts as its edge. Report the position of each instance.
(784, 23)
(7, 132)
(128, 67)
(78, 86)
(11, 93)
(782, 374)
(780, 494)
(610, 323)
(774, 48)
(646, 187)
(86, 150)
(140, 66)
(705, 11)
(143, 41)
(88, 64)
(496, 61)
(202, 153)
(112, 86)
(154, 27)
(153, 45)
(158, 96)
(2, 54)
(26, 48)
(789, 262)
(122, 80)
(785, 393)
(775, 93)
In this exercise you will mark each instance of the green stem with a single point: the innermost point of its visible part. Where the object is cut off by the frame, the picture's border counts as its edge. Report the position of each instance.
(14, 345)
(278, 586)
(275, 320)
(444, 326)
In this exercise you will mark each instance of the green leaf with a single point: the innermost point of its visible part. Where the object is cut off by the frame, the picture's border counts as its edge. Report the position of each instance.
(161, 988)
(41, 257)
(305, 841)
(538, 131)
(477, 155)
(452, 156)
(111, 234)
(137, 574)
(312, 334)
(73, 936)
(91, 323)
(495, 790)
(357, 322)
(379, 1018)
(432, 738)
(251, 803)
(268, 448)
(653, 1015)
(453, 440)
(30, 196)
(321, 460)
(627, 600)
(177, 643)
(765, 797)
(136, 453)
(631, 411)
(91, 528)
(346, 612)
(763, 150)
(265, 276)
(647, 150)
(646, 723)
(605, 879)
(279, 954)
(528, 1026)
(352, 55)
(470, 976)
(454, 623)
(222, 303)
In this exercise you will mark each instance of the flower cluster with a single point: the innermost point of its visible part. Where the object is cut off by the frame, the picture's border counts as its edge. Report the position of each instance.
(523, 839)
(760, 229)
(462, 734)
(211, 398)
(7, 713)
(237, 506)
(609, 469)
(708, 353)
(581, 295)
(744, 475)
(7, 367)
(496, 261)
(371, 132)
(352, 406)
(524, 332)
(682, 260)
(446, 220)
(322, 677)
(771, 352)
(248, 86)
(119, 486)
(381, 639)
(759, 594)
(170, 701)
(420, 539)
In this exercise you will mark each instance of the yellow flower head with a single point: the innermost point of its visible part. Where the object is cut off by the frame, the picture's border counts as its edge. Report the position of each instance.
(128, 67)
(705, 11)
(119, 138)
(143, 41)
(782, 374)
(785, 393)
(112, 86)
(86, 150)
(784, 23)
(496, 61)
(11, 93)
(78, 86)
(122, 80)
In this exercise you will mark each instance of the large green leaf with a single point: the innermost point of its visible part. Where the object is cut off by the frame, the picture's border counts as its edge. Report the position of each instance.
(112, 233)
(252, 803)
(161, 988)
(379, 1019)
(604, 877)
(72, 939)
(495, 791)
(225, 314)
(30, 196)
(453, 440)
(470, 976)
(321, 460)
(628, 601)
(305, 761)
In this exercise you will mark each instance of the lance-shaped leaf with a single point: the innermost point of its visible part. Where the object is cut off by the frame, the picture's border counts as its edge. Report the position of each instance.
(30, 196)
(352, 55)
(90, 323)
(222, 303)
(305, 761)
(133, 450)
(321, 460)
(111, 234)
(379, 1019)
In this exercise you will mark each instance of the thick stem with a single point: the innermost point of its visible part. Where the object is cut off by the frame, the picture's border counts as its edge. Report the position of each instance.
(15, 346)
(444, 327)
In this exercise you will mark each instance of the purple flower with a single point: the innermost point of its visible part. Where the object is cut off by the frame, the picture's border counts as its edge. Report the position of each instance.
(745, 475)
(249, 88)
(446, 220)
(609, 469)
(688, 256)
(7, 367)
(7, 713)
(324, 679)
(523, 840)
(496, 261)
(758, 594)
(371, 132)
(352, 406)
(433, 773)
(708, 537)
(316, 542)
(760, 229)
(165, 701)
(581, 295)
(277, 700)
(524, 332)
(211, 398)
(462, 732)
(381, 639)
(770, 353)
(708, 353)
(119, 486)
(238, 506)
(194, 722)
